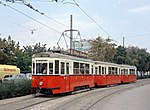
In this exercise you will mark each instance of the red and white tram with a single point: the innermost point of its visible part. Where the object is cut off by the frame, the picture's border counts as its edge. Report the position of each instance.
(54, 73)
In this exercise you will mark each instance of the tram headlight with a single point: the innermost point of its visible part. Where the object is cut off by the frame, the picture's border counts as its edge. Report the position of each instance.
(40, 83)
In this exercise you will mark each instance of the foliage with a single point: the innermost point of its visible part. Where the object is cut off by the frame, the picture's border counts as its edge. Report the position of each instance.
(120, 55)
(14, 88)
(102, 50)
(7, 48)
(30, 50)
(11, 53)
(133, 56)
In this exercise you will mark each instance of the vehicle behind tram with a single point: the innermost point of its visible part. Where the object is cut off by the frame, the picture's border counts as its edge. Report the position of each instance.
(8, 70)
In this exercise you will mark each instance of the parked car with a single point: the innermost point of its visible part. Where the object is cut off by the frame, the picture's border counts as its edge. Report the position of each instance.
(14, 77)
(28, 75)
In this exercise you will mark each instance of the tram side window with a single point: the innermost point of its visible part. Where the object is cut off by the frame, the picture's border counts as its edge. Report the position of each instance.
(82, 68)
(44, 68)
(41, 68)
(75, 68)
(116, 70)
(113, 70)
(122, 71)
(56, 66)
(50, 68)
(96, 70)
(126, 71)
(109, 70)
(132, 71)
(87, 71)
(67, 68)
(62, 68)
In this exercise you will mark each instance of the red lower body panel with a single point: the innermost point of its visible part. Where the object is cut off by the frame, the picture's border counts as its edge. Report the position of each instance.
(60, 84)
(113, 79)
(55, 84)
(100, 80)
(132, 78)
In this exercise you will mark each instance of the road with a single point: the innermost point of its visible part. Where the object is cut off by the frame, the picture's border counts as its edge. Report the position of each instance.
(135, 99)
(114, 98)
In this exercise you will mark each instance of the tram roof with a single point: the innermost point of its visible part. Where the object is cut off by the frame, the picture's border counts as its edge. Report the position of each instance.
(114, 64)
(65, 56)
(106, 63)
(62, 56)
(127, 66)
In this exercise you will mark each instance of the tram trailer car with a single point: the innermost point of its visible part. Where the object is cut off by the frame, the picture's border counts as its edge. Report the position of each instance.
(110, 73)
(54, 73)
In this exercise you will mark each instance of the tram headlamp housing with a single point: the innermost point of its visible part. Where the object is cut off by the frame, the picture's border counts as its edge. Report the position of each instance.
(40, 83)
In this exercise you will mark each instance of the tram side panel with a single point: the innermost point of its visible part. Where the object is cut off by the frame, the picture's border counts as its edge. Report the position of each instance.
(80, 81)
(89, 80)
(59, 84)
(132, 78)
(100, 80)
(51, 84)
(112, 79)
(124, 79)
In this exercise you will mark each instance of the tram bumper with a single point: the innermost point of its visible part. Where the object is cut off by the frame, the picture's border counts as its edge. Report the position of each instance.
(42, 90)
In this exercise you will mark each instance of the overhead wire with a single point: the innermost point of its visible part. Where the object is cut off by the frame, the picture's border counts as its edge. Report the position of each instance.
(29, 17)
(25, 27)
(90, 18)
(31, 7)
(36, 10)
(135, 35)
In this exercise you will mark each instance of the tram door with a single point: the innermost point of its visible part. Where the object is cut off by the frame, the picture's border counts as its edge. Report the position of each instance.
(67, 77)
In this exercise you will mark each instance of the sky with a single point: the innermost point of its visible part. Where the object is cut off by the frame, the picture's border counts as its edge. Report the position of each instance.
(115, 18)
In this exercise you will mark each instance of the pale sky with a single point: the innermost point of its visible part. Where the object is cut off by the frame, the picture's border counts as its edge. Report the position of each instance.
(119, 18)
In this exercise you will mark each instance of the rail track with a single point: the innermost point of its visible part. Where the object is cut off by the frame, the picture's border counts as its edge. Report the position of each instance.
(25, 103)
(88, 101)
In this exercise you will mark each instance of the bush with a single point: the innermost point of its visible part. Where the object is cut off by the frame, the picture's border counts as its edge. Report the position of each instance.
(14, 88)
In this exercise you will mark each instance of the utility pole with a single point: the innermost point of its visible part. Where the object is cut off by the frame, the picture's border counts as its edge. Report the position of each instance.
(71, 30)
(71, 35)
(123, 42)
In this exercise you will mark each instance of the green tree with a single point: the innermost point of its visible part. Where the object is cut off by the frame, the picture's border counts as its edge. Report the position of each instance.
(133, 56)
(7, 48)
(143, 60)
(102, 50)
(120, 55)
(30, 50)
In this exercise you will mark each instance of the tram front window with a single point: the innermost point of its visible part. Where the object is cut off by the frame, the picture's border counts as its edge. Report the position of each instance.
(41, 68)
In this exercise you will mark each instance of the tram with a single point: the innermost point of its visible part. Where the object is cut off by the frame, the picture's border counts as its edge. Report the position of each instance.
(54, 73)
